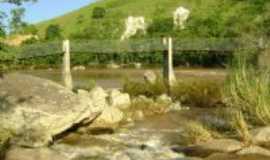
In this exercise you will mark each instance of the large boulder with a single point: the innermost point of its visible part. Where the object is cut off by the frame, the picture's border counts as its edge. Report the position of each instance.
(133, 26)
(99, 98)
(110, 116)
(119, 100)
(261, 135)
(37, 110)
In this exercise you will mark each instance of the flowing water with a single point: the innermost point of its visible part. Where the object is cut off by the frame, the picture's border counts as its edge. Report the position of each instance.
(150, 139)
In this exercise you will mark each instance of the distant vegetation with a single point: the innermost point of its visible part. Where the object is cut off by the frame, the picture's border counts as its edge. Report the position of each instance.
(105, 20)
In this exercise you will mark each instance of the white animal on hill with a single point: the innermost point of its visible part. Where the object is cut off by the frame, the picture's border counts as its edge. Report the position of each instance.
(180, 16)
(133, 25)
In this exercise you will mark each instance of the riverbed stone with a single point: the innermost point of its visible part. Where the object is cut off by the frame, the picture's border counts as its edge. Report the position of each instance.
(254, 150)
(150, 77)
(164, 98)
(230, 156)
(204, 149)
(17, 153)
(261, 135)
(79, 68)
(99, 98)
(110, 115)
(119, 100)
(35, 110)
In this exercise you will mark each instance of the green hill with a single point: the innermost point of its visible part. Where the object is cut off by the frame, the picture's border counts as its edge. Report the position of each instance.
(209, 18)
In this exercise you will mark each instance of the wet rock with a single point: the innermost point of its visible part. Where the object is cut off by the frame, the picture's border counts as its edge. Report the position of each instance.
(119, 100)
(226, 156)
(36, 110)
(164, 99)
(99, 98)
(138, 65)
(150, 77)
(110, 115)
(176, 107)
(205, 149)
(16, 153)
(113, 66)
(261, 135)
(79, 68)
(138, 115)
(120, 156)
(254, 150)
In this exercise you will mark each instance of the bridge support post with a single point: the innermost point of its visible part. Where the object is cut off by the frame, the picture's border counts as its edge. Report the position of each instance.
(66, 71)
(168, 71)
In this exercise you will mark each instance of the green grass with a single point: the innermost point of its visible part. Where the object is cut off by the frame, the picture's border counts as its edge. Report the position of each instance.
(197, 92)
(209, 18)
(248, 90)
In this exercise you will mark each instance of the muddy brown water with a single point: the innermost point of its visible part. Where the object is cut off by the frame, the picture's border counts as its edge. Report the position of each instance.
(114, 78)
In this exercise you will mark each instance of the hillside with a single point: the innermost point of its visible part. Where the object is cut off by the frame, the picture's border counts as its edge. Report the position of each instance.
(209, 18)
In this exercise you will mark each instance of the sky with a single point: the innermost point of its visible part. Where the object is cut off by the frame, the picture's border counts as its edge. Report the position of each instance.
(47, 9)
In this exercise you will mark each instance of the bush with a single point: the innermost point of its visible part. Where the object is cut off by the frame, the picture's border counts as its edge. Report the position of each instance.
(30, 29)
(98, 13)
(53, 32)
(195, 132)
(161, 27)
(141, 88)
(198, 93)
(202, 93)
(247, 89)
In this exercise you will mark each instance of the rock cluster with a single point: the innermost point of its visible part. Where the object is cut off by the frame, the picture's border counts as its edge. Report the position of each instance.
(133, 25)
(37, 110)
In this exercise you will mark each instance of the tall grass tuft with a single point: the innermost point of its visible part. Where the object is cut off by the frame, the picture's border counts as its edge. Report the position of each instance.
(248, 89)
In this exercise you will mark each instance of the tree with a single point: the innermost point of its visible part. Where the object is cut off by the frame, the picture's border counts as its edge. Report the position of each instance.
(17, 3)
(98, 13)
(2, 26)
(161, 26)
(16, 22)
(53, 32)
(30, 29)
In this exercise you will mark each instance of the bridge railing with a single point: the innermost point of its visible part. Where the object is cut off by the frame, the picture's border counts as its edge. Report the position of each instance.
(166, 45)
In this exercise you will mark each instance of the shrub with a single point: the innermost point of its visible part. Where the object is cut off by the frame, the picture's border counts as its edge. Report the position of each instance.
(198, 93)
(240, 125)
(134, 88)
(247, 89)
(53, 32)
(161, 27)
(98, 13)
(196, 132)
(30, 29)
(202, 93)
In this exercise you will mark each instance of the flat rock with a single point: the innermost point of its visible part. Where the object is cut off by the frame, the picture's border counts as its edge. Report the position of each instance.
(254, 150)
(17, 153)
(261, 135)
(207, 148)
(37, 110)
(226, 156)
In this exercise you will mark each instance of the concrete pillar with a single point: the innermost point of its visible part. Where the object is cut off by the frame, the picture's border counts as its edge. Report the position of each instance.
(168, 71)
(66, 71)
